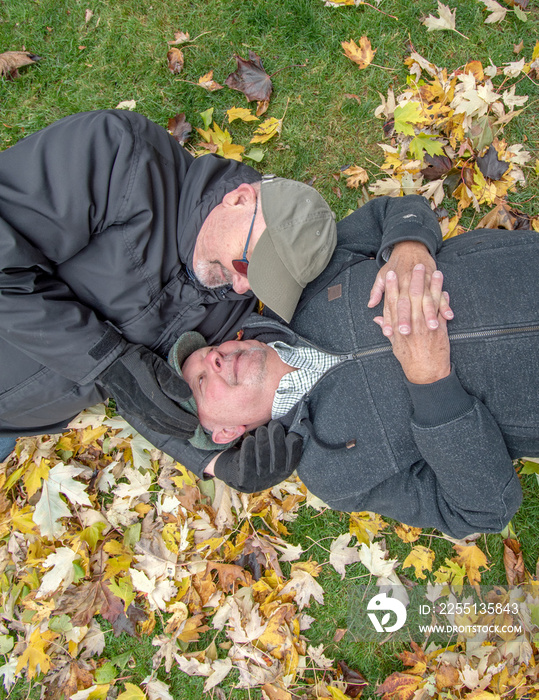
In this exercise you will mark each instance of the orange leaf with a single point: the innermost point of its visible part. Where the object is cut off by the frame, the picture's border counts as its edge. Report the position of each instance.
(362, 54)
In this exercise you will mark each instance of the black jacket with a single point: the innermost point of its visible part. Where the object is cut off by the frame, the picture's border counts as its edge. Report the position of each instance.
(99, 215)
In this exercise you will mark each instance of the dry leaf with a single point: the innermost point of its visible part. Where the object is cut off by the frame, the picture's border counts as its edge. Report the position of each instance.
(513, 562)
(179, 38)
(362, 54)
(175, 60)
(180, 128)
(446, 19)
(208, 83)
(11, 61)
(267, 130)
(356, 176)
(497, 10)
(251, 78)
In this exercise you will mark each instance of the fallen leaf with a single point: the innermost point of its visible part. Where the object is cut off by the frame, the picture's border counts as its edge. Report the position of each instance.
(355, 176)
(472, 558)
(175, 60)
(354, 679)
(407, 533)
(11, 61)
(421, 558)
(127, 104)
(179, 38)
(406, 116)
(208, 83)
(490, 164)
(180, 128)
(446, 19)
(251, 78)
(267, 130)
(399, 686)
(362, 54)
(341, 554)
(241, 113)
(513, 562)
(497, 10)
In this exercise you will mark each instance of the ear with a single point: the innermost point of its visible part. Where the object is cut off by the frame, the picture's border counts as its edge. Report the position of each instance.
(223, 436)
(244, 194)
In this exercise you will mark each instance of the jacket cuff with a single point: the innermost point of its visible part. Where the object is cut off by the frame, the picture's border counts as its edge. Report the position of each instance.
(408, 232)
(439, 402)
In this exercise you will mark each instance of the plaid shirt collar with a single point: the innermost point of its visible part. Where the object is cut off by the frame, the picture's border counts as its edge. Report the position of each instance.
(309, 363)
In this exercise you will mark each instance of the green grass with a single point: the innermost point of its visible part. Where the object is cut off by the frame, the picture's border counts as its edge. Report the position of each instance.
(120, 54)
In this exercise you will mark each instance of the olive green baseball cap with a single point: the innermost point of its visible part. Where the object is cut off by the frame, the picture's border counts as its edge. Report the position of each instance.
(296, 245)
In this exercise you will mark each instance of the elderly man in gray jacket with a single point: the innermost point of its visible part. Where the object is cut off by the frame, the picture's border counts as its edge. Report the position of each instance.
(113, 241)
(421, 427)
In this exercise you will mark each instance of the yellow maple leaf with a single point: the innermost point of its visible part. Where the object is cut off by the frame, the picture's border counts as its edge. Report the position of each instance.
(362, 54)
(132, 692)
(472, 558)
(421, 558)
(267, 130)
(90, 435)
(241, 113)
(34, 655)
(363, 523)
(355, 176)
(117, 565)
(407, 533)
(33, 476)
(233, 151)
(22, 519)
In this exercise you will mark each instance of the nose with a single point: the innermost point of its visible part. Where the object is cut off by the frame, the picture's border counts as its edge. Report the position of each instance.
(240, 284)
(215, 360)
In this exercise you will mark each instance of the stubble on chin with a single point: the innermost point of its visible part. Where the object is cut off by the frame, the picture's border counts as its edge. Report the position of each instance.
(211, 275)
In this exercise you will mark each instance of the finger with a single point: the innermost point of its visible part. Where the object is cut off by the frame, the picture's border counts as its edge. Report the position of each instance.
(377, 291)
(391, 300)
(431, 300)
(445, 309)
(416, 294)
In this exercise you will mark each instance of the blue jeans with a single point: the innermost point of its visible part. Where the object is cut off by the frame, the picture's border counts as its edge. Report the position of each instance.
(7, 445)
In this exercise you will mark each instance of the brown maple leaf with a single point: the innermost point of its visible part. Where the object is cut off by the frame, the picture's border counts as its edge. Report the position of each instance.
(180, 128)
(513, 562)
(175, 60)
(11, 61)
(251, 79)
(89, 600)
(437, 167)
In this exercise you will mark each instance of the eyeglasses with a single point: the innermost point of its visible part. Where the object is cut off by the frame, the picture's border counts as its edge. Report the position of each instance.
(241, 264)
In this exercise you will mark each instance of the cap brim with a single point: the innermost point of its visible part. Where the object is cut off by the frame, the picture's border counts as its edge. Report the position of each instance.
(271, 281)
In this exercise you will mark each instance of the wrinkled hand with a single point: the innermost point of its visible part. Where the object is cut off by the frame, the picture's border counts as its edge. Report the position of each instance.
(404, 257)
(423, 353)
(263, 460)
(144, 386)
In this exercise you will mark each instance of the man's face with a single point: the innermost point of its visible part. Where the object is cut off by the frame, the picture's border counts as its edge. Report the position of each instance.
(222, 239)
(233, 384)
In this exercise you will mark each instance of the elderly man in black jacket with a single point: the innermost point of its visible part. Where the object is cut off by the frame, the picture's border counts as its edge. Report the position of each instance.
(113, 241)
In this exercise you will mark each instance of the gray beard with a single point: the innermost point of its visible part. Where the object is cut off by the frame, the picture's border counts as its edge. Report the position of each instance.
(206, 274)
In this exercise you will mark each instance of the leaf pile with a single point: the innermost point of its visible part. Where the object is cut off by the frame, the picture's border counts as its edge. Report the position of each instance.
(97, 525)
(446, 131)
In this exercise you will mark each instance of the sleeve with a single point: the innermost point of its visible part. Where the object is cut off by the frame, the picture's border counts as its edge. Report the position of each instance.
(58, 188)
(181, 450)
(465, 481)
(376, 227)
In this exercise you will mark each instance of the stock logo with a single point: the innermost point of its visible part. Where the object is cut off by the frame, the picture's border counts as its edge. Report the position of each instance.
(381, 603)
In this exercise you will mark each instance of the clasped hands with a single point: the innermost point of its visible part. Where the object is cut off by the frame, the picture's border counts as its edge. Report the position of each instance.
(416, 311)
